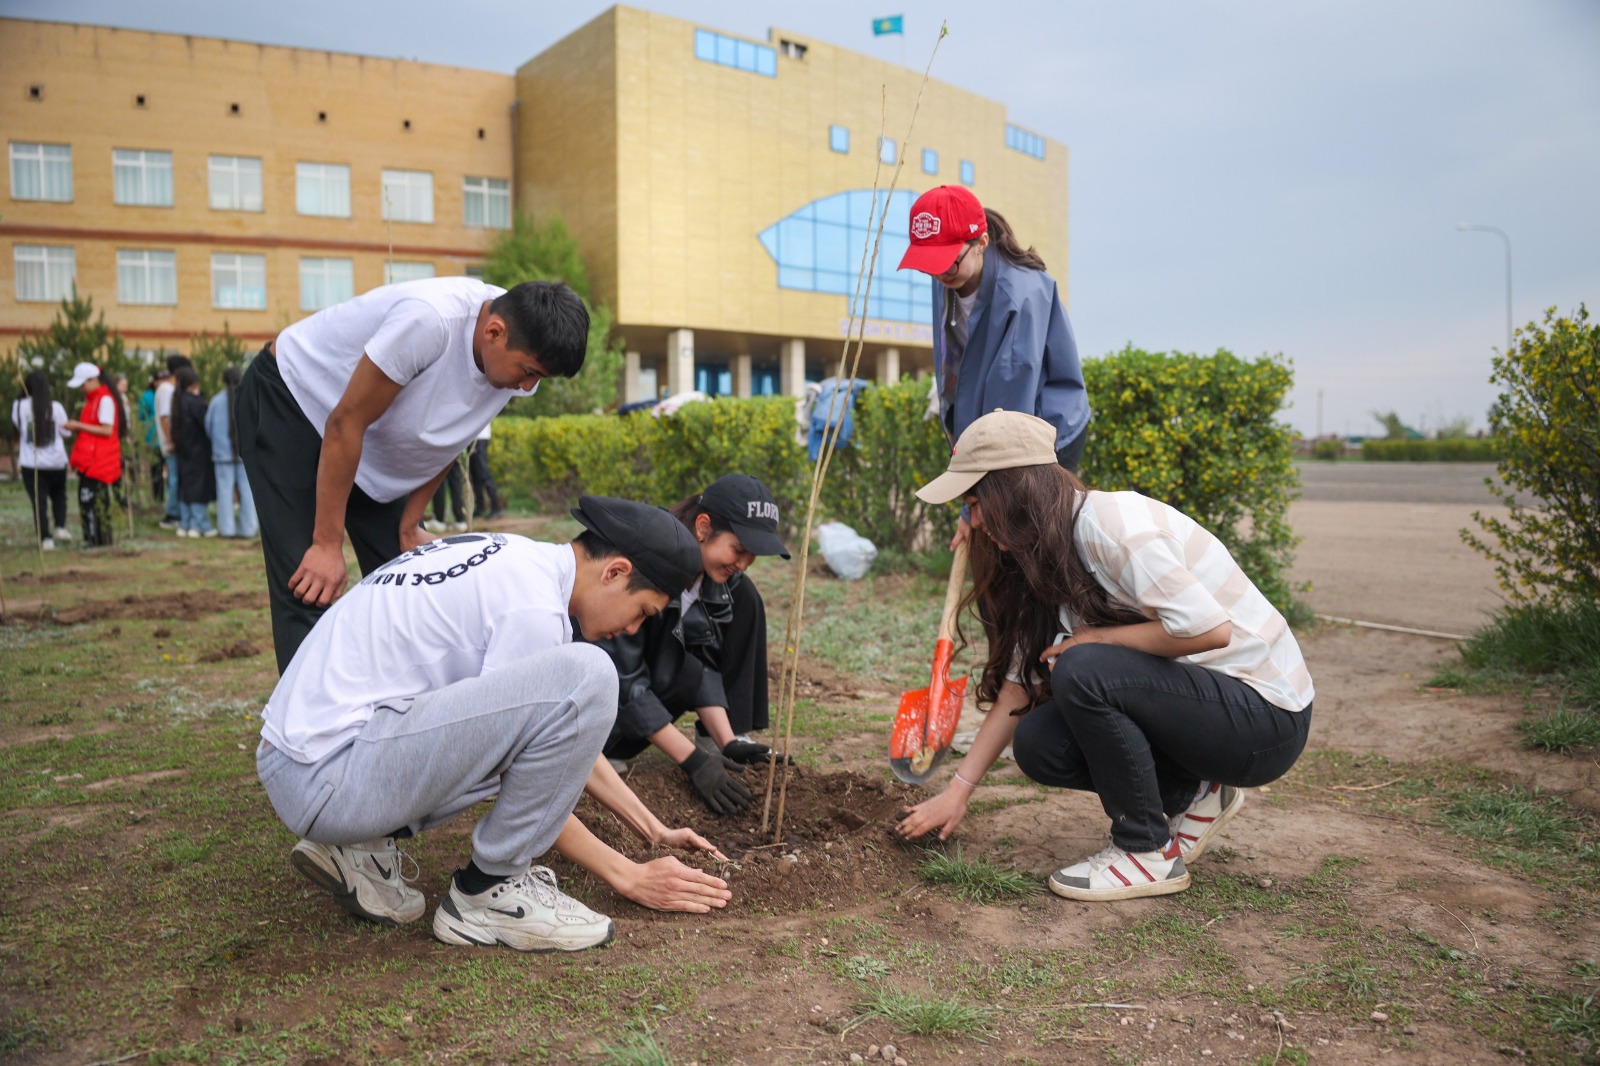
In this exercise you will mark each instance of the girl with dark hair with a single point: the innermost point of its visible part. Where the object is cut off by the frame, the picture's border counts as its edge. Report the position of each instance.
(96, 454)
(1002, 339)
(707, 652)
(42, 461)
(1128, 656)
(222, 426)
(197, 480)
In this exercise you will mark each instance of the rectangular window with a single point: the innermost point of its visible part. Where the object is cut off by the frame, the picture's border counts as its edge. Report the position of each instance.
(322, 189)
(141, 177)
(1020, 140)
(408, 195)
(486, 202)
(235, 183)
(238, 282)
(393, 272)
(839, 139)
(41, 171)
(886, 151)
(44, 272)
(969, 173)
(147, 277)
(731, 52)
(930, 161)
(325, 282)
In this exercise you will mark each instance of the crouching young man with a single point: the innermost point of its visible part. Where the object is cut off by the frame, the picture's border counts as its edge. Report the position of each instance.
(448, 677)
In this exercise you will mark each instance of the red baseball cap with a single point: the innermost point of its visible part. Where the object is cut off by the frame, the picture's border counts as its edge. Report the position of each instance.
(942, 220)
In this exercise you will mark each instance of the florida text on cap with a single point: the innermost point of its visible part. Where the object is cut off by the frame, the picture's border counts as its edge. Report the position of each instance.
(750, 509)
(942, 220)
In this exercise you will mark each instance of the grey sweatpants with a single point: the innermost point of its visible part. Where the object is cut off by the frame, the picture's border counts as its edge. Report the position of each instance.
(527, 734)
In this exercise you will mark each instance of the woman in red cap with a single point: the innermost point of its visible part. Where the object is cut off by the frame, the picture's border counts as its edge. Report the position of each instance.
(1001, 337)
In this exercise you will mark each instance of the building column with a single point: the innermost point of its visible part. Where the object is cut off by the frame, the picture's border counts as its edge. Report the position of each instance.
(680, 361)
(741, 376)
(888, 366)
(632, 387)
(792, 367)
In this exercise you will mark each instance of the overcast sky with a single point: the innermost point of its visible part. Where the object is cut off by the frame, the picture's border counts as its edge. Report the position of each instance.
(1263, 176)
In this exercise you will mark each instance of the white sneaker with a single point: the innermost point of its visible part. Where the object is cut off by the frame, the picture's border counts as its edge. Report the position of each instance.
(1195, 828)
(433, 525)
(1118, 874)
(364, 878)
(527, 913)
(63, 533)
(47, 544)
(212, 532)
(458, 527)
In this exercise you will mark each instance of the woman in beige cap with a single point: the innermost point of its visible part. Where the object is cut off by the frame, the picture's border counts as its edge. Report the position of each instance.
(1128, 656)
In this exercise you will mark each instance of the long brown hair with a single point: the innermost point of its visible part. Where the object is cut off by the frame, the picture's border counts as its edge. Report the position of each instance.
(1032, 510)
(1004, 240)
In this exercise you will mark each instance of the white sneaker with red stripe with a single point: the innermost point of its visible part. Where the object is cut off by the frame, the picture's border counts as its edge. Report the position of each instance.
(1118, 874)
(1197, 827)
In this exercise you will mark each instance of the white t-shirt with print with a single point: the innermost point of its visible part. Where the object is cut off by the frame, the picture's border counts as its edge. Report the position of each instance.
(164, 393)
(441, 613)
(419, 333)
(52, 456)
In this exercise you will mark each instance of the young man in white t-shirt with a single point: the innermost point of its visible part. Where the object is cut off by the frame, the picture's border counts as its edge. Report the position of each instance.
(447, 677)
(165, 390)
(350, 420)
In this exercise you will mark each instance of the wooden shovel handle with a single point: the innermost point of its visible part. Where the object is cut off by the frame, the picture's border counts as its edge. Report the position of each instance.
(952, 592)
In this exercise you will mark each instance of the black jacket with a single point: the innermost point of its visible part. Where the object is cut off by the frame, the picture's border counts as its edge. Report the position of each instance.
(655, 662)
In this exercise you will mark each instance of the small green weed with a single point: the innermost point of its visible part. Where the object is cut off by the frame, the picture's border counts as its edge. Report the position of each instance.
(637, 1049)
(1575, 1016)
(980, 882)
(908, 1013)
(1510, 816)
(864, 968)
(1562, 731)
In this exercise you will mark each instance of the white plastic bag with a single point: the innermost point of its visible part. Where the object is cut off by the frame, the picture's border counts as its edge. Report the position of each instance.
(846, 552)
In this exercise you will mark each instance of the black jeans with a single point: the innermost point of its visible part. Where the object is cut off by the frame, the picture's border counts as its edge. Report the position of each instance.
(452, 481)
(1143, 732)
(47, 492)
(281, 448)
(485, 493)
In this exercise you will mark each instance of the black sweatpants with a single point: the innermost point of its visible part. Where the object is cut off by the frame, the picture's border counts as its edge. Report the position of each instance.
(47, 492)
(452, 482)
(485, 493)
(94, 506)
(280, 449)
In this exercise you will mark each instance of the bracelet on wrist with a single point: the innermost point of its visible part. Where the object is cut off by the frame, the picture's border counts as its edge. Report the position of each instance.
(970, 784)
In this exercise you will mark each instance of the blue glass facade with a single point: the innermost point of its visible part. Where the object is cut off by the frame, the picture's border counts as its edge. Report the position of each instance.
(732, 52)
(1020, 140)
(820, 247)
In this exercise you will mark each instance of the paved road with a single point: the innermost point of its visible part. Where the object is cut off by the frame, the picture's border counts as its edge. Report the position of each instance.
(1459, 483)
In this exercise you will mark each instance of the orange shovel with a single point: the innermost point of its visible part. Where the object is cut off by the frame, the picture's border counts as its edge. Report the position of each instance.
(926, 722)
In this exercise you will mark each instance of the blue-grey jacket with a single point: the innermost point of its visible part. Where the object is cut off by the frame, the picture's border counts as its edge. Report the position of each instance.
(222, 450)
(1020, 354)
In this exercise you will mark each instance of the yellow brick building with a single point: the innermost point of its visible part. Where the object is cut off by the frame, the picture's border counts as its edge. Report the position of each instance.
(720, 187)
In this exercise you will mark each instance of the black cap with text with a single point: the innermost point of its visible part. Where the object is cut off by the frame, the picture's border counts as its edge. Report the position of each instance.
(750, 509)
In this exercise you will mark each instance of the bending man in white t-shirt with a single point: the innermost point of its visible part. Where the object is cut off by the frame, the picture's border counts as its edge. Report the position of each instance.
(448, 677)
(350, 421)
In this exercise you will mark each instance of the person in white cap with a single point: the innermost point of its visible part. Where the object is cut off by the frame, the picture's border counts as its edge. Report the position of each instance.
(1128, 656)
(96, 454)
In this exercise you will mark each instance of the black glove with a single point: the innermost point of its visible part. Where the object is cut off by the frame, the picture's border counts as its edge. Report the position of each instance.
(709, 776)
(749, 753)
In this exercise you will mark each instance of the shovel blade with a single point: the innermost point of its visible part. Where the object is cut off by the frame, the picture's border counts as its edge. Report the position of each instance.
(924, 730)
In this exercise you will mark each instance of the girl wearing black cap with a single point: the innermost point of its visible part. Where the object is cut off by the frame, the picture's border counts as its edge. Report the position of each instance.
(707, 652)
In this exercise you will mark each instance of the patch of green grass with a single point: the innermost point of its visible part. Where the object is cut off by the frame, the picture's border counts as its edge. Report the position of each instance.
(636, 1049)
(978, 881)
(181, 849)
(906, 1012)
(1538, 639)
(864, 968)
(1571, 1016)
(1511, 816)
(1562, 731)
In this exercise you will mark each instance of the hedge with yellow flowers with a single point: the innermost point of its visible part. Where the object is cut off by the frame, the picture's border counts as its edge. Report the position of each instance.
(1547, 421)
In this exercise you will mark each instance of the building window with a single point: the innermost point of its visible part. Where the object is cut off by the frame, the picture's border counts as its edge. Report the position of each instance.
(886, 151)
(141, 177)
(238, 282)
(41, 171)
(969, 173)
(146, 277)
(819, 249)
(839, 139)
(732, 52)
(44, 272)
(930, 161)
(408, 195)
(235, 183)
(322, 189)
(325, 282)
(792, 49)
(486, 202)
(394, 272)
(1020, 140)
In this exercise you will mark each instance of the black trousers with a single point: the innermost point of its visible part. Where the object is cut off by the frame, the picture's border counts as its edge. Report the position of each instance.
(94, 505)
(452, 482)
(485, 494)
(47, 493)
(743, 669)
(281, 449)
(1143, 731)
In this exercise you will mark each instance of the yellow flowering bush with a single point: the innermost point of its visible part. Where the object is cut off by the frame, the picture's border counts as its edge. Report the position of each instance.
(1547, 419)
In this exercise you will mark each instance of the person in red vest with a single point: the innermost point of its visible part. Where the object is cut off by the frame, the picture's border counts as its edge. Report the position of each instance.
(96, 454)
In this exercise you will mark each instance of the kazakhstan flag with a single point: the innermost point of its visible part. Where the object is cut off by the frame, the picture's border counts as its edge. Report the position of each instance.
(892, 24)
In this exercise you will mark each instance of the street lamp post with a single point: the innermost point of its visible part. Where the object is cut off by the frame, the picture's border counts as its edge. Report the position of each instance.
(1502, 235)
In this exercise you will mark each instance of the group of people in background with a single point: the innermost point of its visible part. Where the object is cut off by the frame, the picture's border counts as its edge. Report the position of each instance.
(199, 462)
(96, 451)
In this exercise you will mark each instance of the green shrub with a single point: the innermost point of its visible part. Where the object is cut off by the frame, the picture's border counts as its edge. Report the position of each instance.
(1548, 420)
(1330, 449)
(1449, 450)
(1201, 433)
(894, 449)
(703, 441)
(554, 460)
(77, 334)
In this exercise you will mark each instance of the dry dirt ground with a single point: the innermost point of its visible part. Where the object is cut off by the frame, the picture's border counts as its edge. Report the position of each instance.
(1335, 922)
